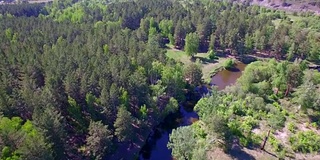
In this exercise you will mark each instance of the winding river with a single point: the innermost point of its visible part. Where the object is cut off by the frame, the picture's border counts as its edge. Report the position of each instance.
(156, 147)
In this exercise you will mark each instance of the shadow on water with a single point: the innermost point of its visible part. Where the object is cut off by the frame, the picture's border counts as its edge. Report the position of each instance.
(156, 146)
(234, 69)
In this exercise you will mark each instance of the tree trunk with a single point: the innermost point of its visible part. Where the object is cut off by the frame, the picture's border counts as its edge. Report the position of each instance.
(287, 91)
(265, 141)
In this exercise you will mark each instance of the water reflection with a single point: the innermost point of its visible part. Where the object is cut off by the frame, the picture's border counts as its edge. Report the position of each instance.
(158, 150)
(228, 77)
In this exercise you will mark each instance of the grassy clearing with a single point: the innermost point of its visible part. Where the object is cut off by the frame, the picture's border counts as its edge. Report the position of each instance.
(295, 18)
(209, 67)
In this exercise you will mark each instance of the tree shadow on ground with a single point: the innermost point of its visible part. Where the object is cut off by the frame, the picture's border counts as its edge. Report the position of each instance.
(203, 60)
(271, 154)
(314, 118)
(246, 59)
(236, 151)
(239, 154)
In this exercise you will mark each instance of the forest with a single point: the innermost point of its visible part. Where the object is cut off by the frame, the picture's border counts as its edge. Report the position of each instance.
(91, 79)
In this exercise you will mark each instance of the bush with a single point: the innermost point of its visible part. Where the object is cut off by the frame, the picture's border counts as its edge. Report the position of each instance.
(276, 145)
(212, 55)
(276, 120)
(314, 125)
(292, 127)
(305, 142)
(229, 63)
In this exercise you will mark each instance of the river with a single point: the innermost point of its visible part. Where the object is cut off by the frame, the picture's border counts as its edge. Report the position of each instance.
(156, 147)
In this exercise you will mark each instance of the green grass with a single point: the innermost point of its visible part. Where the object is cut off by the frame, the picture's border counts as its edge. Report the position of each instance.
(209, 67)
(295, 18)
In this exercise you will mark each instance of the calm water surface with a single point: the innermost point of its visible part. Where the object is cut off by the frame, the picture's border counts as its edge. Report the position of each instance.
(228, 77)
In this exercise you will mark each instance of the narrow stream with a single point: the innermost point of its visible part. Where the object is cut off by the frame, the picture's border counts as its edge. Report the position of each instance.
(156, 147)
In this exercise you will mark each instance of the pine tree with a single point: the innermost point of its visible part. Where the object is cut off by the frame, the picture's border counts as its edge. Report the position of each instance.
(99, 140)
(123, 125)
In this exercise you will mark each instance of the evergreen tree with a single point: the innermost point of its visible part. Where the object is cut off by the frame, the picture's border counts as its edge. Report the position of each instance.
(99, 140)
(123, 126)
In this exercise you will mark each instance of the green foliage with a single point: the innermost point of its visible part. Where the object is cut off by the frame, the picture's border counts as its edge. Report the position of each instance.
(305, 142)
(306, 96)
(124, 98)
(123, 125)
(9, 33)
(75, 110)
(193, 74)
(199, 131)
(22, 141)
(276, 120)
(182, 142)
(166, 27)
(144, 111)
(98, 141)
(171, 39)
(90, 99)
(292, 127)
(104, 61)
(172, 77)
(52, 124)
(172, 106)
(229, 63)
(192, 44)
(276, 145)
(212, 55)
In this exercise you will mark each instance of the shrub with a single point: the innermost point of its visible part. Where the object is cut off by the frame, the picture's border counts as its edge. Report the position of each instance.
(276, 120)
(276, 145)
(292, 127)
(305, 142)
(229, 63)
(314, 125)
(212, 55)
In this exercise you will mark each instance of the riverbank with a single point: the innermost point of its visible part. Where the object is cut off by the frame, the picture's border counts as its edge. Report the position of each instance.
(155, 146)
(209, 67)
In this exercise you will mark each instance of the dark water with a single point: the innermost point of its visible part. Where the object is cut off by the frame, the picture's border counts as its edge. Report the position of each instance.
(228, 77)
(156, 148)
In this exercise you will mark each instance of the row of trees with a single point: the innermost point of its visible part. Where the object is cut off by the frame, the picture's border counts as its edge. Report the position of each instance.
(218, 25)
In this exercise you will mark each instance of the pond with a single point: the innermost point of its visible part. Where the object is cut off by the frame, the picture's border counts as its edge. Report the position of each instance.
(228, 77)
(156, 147)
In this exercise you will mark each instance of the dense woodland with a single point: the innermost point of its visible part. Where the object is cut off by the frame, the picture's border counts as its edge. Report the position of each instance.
(79, 80)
